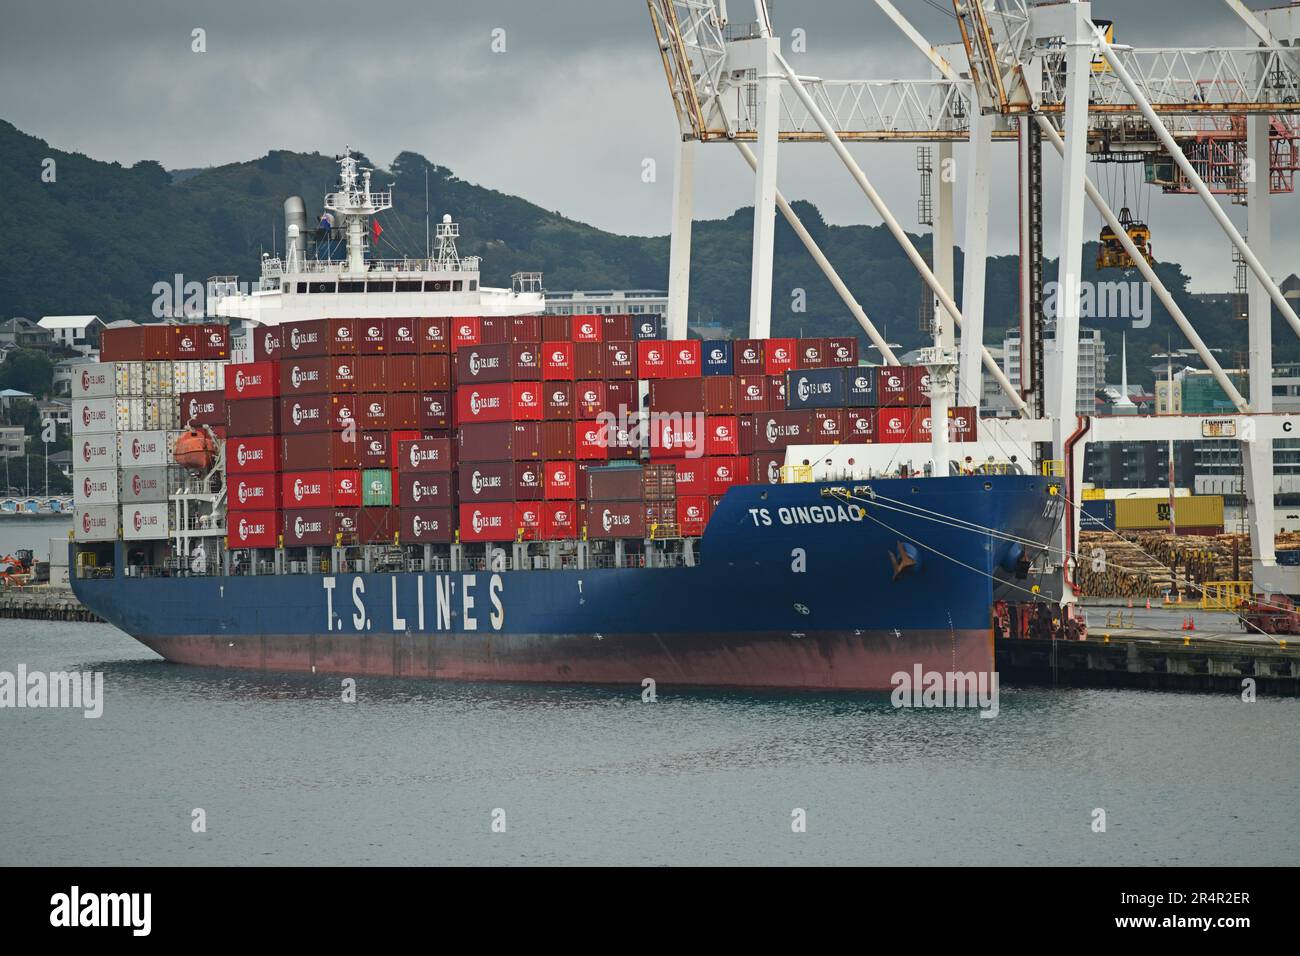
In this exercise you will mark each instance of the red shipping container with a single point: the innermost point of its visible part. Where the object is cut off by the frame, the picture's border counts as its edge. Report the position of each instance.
(893, 424)
(621, 398)
(588, 360)
(530, 480)
(620, 358)
(832, 426)
(245, 456)
(483, 363)
(485, 403)
(347, 488)
(559, 521)
(343, 373)
(434, 411)
(373, 450)
(842, 351)
(618, 328)
(122, 344)
(305, 339)
(187, 343)
(434, 333)
(214, 342)
(765, 468)
(920, 431)
(404, 411)
(652, 359)
(747, 356)
(252, 529)
(266, 342)
(306, 376)
(555, 328)
(258, 416)
(591, 440)
(557, 361)
(347, 524)
(918, 385)
(526, 361)
(591, 398)
(157, 342)
(891, 386)
(587, 328)
(722, 473)
(486, 481)
(495, 329)
(963, 423)
(376, 525)
(616, 519)
(203, 408)
(343, 412)
(343, 336)
(721, 435)
(308, 452)
(751, 394)
(528, 516)
(677, 436)
(308, 527)
(307, 489)
(560, 402)
(372, 410)
(860, 425)
(526, 401)
(403, 336)
(526, 329)
(421, 525)
(692, 477)
(252, 380)
(779, 355)
(255, 492)
(693, 513)
(776, 393)
(402, 372)
(561, 480)
(373, 336)
(488, 521)
(774, 431)
(813, 353)
(307, 413)
(466, 331)
(684, 358)
(434, 373)
(424, 456)
(555, 440)
(425, 490)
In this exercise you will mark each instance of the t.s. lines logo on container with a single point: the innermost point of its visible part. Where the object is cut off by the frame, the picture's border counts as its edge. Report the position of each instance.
(245, 455)
(481, 522)
(610, 520)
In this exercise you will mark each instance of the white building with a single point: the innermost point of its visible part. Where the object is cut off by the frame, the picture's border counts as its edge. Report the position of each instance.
(80, 332)
(608, 302)
(1092, 371)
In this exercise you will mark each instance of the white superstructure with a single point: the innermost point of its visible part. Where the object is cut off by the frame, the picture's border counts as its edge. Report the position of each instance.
(329, 271)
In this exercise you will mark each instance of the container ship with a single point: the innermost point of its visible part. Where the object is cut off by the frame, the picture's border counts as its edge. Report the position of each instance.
(379, 467)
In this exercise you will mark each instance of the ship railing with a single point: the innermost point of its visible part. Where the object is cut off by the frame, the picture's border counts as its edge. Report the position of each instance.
(148, 571)
(795, 474)
(93, 572)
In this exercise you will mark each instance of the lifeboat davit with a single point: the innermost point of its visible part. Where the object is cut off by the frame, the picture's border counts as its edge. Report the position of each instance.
(196, 450)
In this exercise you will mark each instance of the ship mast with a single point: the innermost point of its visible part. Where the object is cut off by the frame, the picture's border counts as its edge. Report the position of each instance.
(355, 204)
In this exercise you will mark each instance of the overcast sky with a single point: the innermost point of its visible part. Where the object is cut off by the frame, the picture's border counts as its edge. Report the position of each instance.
(564, 117)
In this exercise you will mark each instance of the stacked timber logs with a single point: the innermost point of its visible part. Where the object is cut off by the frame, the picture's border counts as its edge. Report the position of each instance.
(1147, 564)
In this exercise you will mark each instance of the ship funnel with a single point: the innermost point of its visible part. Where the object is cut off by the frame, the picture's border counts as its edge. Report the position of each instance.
(295, 231)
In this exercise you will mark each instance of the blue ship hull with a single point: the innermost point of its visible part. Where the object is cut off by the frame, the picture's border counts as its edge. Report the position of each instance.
(793, 589)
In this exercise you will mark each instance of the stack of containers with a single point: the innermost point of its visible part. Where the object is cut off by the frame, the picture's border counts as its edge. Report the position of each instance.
(251, 396)
(95, 453)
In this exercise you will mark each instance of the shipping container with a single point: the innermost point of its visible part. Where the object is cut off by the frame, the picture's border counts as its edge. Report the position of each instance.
(306, 376)
(344, 373)
(861, 387)
(620, 359)
(376, 525)
(309, 413)
(894, 425)
(96, 522)
(374, 449)
(560, 403)
(892, 385)
(918, 385)
(489, 402)
(652, 359)
(425, 490)
(252, 529)
(1098, 515)
(435, 334)
(143, 448)
(774, 431)
(203, 408)
(122, 343)
(590, 441)
(347, 525)
(145, 521)
(403, 336)
(716, 357)
(685, 358)
(96, 486)
(751, 394)
(267, 341)
(251, 381)
(486, 481)
(306, 338)
(723, 472)
(260, 416)
(831, 426)
(765, 468)
(494, 329)
(842, 351)
(693, 513)
(308, 527)
(1152, 514)
(618, 328)
(482, 364)
(526, 329)
(659, 481)
(557, 361)
(146, 485)
(487, 521)
(425, 456)
(559, 520)
(424, 524)
(587, 328)
(963, 421)
(561, 480)
(96, 380)
(376, 488)
(616, 519)
(588, 360)
(860, 425)
(722, 435)
(254, 492)
(692, 477)
(372, 373)
(813, 354)
(373, 336)
(94, 416)
(246, 456)
(556, 328)
(434, 373)
(434, 411)
(816, 388)
(307, 489)
(779, 355)
(615, 483)
(648, 327)
(530, 480)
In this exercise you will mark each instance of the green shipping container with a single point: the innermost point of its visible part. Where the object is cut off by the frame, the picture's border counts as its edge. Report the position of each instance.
(1152, 514)
(376, 487)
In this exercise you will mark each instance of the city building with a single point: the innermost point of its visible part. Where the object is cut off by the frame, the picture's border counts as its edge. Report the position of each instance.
(24, 334)
(608, 302)
(1091, 371)
(13, 441)
(79, 332)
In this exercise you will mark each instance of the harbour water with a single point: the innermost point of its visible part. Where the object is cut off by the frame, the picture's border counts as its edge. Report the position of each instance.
(285, 772)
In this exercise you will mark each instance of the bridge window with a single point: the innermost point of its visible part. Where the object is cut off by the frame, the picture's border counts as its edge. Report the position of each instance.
(409, 285)
(352, 287)
(374, 286)
(321, 287)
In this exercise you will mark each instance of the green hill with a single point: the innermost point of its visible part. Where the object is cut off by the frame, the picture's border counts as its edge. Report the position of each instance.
(99, 237)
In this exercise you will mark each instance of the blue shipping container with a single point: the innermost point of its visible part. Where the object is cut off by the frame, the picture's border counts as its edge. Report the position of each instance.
(716, 357)
(861, 390)
(648, 327)
(1097, 514)
(815, 388)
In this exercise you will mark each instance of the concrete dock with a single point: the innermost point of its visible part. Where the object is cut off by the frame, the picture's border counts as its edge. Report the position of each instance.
(40, 603)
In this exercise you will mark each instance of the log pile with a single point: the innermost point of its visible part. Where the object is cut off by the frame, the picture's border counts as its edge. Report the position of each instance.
(1146, 564)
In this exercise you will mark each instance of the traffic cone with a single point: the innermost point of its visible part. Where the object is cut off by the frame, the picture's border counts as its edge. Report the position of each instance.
(1184, 622)
(1191, 623)
(1148, 604)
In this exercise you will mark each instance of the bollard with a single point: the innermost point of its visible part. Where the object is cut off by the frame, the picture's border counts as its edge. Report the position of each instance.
(1105, 639)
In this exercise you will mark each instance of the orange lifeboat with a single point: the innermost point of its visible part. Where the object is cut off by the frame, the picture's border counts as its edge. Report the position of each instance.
(196, 450)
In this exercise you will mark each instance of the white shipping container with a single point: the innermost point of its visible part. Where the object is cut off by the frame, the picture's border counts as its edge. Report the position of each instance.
(139, 485)
(94, 451)
(144, 521)
(241, 342)
(139, 449)
(130, 379)
(95, 380)
(95, 486)
(96, 523)
(93, 416)
(213, 377)
(157, 378)
(130, 414)
(184, 375)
